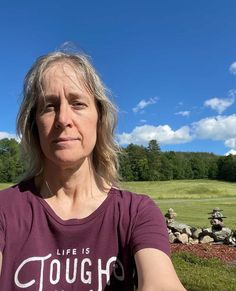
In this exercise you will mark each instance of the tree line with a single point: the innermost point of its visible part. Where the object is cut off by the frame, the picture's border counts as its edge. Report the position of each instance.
(137, 163)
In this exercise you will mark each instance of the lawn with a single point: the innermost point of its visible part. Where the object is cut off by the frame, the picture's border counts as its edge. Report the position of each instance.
(5, 185)
(192, 200)
(183, 189)
(198, 274)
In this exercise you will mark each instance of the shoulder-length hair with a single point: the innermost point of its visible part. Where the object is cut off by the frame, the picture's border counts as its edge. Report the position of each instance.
(105, 153)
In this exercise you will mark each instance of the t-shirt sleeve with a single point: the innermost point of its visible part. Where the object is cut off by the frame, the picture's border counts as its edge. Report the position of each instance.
(149, 229)
(2, 232)
(2, 236)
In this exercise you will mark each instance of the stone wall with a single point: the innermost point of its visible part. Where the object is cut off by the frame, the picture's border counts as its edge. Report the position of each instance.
(216, 233)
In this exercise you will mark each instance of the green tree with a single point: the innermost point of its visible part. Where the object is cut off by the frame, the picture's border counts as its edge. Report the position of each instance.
(11, 164)
(227, 168)
(198, 168)
(138, 162)
(125, 166)
(166, 168)
(154, 160)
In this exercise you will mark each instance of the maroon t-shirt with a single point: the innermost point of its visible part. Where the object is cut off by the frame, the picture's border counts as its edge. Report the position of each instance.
(45, 253)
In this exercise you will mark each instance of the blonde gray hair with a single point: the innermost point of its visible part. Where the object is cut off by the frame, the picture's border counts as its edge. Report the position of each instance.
(105, 153)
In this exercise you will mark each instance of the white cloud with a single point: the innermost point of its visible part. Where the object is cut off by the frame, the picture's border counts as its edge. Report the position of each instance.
(183, 113)
(215, 128)
(162, 133)
(220, 105)
(143, 120)
(144, 103)
(4, 134)
(231, 143)
(232, 68)
(231, 152)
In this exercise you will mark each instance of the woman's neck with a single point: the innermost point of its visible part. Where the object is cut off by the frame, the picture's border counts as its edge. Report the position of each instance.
(72, 193)
(80, 182)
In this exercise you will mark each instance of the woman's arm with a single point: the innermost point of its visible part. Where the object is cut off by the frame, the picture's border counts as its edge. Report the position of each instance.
(156, 272)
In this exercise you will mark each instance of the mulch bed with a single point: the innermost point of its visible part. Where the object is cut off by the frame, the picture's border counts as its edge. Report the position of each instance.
(223, 252)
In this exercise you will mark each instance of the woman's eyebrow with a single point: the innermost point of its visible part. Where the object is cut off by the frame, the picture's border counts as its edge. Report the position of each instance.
(50, 97)
(80, 96)
(71, 96)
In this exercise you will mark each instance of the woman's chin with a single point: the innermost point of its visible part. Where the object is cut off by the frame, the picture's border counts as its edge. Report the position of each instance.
(62, 162)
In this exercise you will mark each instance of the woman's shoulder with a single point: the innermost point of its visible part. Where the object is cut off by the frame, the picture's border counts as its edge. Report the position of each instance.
(127, 194)
(133, 199)
(15, 193)
(9, 192)
(143, 217)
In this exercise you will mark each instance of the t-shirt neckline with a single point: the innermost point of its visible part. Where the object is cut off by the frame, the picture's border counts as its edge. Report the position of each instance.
(73, 221)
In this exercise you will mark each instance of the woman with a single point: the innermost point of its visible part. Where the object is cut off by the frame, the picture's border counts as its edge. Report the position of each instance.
(66, 226)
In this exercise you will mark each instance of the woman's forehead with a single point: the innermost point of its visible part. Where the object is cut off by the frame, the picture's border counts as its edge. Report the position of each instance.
(66, 77)
(64, 73)
(62, 70)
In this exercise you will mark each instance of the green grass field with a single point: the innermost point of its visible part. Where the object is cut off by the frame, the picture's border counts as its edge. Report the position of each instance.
(198, 274)
(5, 185)
(183, 189)
(191, 199)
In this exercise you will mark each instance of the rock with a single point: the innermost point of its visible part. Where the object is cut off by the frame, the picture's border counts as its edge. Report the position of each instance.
(230, 241)
(180, 227)
(206, 239)
(170, 214)
(187, 230)
(193, 241)
(206, 232)
(196, 233)
(172, 237)
(217, 225)
(183, 233)
(183, 238)
(223, 234)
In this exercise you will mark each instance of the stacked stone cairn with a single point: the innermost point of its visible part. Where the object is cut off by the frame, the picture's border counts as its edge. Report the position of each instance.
(216, 233)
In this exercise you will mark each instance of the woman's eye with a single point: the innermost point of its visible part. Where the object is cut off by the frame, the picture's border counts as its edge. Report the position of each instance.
(79, 105)
(49, 107)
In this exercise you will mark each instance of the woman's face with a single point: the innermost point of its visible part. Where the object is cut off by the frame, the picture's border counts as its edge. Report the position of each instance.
(66, 117)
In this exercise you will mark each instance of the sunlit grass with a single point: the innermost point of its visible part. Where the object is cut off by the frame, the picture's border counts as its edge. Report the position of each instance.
(5, 185)
(198, 274)
(191, 199)
(185, 189)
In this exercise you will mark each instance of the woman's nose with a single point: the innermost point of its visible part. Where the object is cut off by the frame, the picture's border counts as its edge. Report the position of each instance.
(63, 117)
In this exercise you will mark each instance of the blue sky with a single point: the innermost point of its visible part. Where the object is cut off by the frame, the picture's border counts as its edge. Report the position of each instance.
(170, 65)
